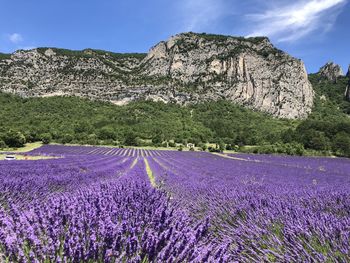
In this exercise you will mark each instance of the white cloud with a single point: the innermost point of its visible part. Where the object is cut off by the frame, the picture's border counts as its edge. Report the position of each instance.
(15, 38)
(201, 14)
(290, 22)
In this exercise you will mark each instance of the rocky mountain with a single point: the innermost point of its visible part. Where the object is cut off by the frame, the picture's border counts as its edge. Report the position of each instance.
(188, 68)
(331, 72)
(347, 92)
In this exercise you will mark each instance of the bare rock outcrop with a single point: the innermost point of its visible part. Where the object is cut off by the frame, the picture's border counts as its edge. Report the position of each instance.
(331, 72)
(347, 92)
(188, 68)
(248, 71)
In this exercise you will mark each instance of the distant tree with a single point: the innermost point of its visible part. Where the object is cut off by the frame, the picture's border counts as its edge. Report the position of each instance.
(106, 133)
(288, 136)
(316, 140)
(341, 144)
(131, 139)
(2, 144)
(82, 126)
(229, 147)
(46, 138)
(158, 138)
(14, 139)
(29, 137)
(221, 146)
(202, 146)
(172, 144)
(92, 139)
(67, 138)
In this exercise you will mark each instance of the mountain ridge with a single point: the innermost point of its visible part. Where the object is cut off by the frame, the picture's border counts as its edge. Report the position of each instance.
(187, 68)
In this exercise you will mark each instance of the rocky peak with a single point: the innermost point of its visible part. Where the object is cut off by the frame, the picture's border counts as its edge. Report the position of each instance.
(187, 68)
(249, 71)
(331, 72)
(348, 74)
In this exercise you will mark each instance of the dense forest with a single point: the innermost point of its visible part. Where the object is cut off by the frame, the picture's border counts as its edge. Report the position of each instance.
(143, 123)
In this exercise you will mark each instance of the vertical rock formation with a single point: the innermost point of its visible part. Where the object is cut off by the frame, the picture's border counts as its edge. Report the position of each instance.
(331, 72)
(248, 71)
(347, 92)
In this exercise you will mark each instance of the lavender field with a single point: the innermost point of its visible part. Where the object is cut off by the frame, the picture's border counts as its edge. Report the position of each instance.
(100, 204)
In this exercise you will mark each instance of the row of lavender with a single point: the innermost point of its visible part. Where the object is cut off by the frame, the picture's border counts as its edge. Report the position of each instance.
(61, 150)
(86, 207)
(267, 208)
(260, 207)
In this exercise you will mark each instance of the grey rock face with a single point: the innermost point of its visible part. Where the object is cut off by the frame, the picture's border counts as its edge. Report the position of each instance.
(347, 92)
(331, 72)
(188, 68)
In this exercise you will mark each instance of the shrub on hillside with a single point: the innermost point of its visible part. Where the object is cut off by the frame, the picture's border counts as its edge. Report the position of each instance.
(202, 146)
(2, 144)
(14, 139)
(67, 138)
(341, 144)
(46, 138)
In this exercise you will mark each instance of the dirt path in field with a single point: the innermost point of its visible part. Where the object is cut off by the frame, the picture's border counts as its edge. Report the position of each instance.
(150, 174)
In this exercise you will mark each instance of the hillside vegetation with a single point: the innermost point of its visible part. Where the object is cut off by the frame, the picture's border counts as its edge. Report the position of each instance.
(77, 120)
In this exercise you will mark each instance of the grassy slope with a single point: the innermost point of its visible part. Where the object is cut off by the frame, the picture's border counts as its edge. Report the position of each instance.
(28, 147)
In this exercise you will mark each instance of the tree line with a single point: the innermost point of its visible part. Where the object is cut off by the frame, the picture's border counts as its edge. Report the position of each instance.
(145, 123)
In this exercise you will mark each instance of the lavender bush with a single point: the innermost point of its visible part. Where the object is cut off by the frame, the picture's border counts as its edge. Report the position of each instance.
(96, 204)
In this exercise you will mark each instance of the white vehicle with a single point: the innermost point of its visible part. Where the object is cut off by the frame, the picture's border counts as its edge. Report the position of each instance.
(10, 157)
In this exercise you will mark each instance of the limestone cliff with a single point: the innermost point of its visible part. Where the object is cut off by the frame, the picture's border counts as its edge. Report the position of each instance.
(188, 68)
(331, 72)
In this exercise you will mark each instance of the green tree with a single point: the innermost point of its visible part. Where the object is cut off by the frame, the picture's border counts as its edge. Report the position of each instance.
(131, 139)
(221, 146)
(67, 138)
(316, 140)
(341, 144)
(92, 139)
(46, 138)
(202, 146)
(158, 138)
(2, 144)
(106, 133)
(14, 139)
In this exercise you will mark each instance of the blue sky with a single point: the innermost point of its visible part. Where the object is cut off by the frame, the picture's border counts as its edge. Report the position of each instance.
(316, 31)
